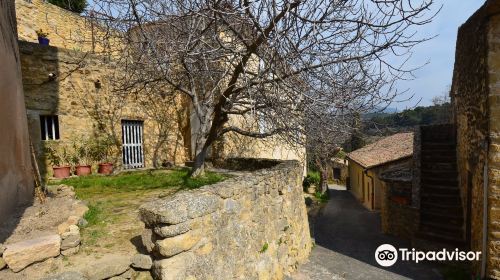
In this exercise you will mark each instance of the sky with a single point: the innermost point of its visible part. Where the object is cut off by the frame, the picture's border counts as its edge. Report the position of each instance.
(435, 77)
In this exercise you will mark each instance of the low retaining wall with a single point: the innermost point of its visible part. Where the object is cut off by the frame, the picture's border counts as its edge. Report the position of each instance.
(252, 226)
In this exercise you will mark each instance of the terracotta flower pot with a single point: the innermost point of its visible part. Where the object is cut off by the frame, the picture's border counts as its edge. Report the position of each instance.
(105, 168)
(61, 171)
(83, 170)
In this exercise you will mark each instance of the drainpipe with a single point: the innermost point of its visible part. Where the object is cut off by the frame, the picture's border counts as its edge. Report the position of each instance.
(485, 213)
(373, 188)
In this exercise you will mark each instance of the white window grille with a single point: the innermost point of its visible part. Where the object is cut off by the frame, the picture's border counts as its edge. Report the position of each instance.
(132, 139)
(49, 127)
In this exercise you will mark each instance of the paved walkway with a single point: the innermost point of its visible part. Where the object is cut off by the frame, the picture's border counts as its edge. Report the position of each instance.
(347, 235)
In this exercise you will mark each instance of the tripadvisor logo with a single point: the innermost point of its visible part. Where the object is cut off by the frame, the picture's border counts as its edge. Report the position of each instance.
(387, 255)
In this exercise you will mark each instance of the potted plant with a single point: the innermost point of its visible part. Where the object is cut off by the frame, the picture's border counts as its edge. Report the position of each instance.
(101, 150)
(81, 158)
(59, 158)
(42, 37)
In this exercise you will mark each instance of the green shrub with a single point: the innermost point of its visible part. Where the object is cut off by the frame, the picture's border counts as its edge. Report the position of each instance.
(312, 178)
(323, 197)
(76, 6)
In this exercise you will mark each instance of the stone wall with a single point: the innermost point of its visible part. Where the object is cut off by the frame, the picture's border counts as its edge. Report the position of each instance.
(398, 216)
(85, 110)
(66, 29)
(253, 226)
(16, 184)
(476, 98)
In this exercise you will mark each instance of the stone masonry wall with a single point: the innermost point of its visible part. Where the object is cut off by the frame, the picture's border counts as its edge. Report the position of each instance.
(66, 29)
(16, 184)
(469, 98)
(475, 101)
(85, 110)
(493, 265)
(253, 226)
(398, 216)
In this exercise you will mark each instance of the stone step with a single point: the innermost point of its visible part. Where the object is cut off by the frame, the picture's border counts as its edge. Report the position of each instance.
(440, 207)
(440, 189)
(439, 158)
(441, 198)
(438, 146)
(446, 229)
(440, 217)
(440, 152)
(430, 241)
(21, 254)
(439, 181)
(443, 166)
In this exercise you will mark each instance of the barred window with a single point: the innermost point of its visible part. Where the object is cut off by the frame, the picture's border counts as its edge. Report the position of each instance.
(49, 126)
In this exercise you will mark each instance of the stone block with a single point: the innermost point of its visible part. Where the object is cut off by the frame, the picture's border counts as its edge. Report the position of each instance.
(142, 261)
(67, 275)
(107, 267)
(148, 238)
(70, 241)
(178, 208)
(172, 268)
(174, 245)
(3, 264)
(70, 251)
(172, 230)
(20, 255)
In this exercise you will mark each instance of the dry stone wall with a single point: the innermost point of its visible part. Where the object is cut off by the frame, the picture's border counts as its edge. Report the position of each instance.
(252, 226)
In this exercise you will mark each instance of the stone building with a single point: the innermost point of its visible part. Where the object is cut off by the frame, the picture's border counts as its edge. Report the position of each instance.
(16, 184)
(71, 96)
(367, 164)
(475, 97)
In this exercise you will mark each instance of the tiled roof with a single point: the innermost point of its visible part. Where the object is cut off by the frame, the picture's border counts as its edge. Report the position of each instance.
(385, 150)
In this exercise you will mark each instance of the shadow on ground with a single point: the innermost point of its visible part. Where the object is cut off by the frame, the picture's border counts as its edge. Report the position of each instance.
(347, 235)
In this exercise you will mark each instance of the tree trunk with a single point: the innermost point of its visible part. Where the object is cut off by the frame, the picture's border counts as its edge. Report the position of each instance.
(323, 180)
(199, 162)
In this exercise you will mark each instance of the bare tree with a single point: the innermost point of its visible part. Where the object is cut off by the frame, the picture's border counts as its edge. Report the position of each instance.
(243, 61)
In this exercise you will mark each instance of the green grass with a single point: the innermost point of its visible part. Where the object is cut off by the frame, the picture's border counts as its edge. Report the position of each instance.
(88, 186)
(113, 202)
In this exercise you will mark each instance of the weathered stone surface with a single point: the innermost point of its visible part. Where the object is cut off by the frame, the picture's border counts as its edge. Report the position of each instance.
(148, 238)
(70, 241)
(82, 222)
(172, 230)
(67, 275)
(2, 249)
(62, 228)
(179, 208)
(129, 274)
(70, 251)
(2, 264)
(72, 230)
(172, 268)
(142, 261)
(143, 275)
(106, 267)
(225, 236)
(73, 220)
(177, 244)
(21, 254)
(79, 209)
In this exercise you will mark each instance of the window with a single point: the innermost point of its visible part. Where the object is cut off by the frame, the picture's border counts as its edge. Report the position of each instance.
(49, 126)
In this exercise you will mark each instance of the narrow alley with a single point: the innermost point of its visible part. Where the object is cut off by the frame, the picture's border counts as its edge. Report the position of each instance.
(347, 236)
